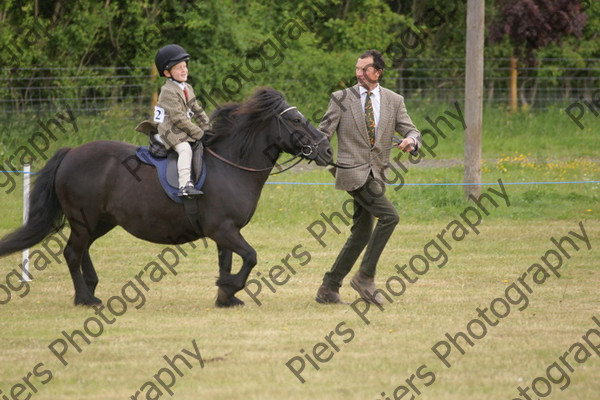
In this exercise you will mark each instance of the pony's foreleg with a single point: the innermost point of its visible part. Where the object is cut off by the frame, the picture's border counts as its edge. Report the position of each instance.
(228, 283)
(75, 252)
(225, 260)
(224, 297)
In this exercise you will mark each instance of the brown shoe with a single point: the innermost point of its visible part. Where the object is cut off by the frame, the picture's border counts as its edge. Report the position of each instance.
(326, 295)
(365, 286)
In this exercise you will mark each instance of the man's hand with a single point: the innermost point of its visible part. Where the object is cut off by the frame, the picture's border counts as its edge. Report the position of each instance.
(407, 144)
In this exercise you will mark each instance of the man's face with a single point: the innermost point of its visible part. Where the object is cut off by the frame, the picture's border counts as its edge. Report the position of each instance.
(179, 72)
(366, 74)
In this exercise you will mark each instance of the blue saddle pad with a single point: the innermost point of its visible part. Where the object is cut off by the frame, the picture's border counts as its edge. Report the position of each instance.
(161, 167)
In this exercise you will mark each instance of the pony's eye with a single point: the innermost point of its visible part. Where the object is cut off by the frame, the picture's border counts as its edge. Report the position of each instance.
(297, 120)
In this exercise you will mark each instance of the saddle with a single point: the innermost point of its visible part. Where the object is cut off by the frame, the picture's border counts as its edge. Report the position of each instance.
(165, 162)
(167, 170)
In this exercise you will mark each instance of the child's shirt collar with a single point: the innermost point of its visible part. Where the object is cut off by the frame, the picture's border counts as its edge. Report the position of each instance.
(180, 84)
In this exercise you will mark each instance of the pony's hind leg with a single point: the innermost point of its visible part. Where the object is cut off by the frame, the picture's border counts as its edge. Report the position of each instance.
(75, 252)
(87, 267)
(89, 272)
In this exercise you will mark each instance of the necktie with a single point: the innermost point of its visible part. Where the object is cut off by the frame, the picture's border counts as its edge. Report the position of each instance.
(185, 93)
(370, 119)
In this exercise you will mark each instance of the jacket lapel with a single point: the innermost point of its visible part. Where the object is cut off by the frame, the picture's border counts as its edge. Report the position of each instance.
(358, 113)
(386, 109)
(175, 88)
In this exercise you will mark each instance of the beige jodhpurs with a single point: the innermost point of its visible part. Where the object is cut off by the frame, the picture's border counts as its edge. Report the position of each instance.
(184, 163)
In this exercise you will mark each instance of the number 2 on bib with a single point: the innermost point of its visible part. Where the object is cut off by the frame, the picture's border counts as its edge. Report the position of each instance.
(159, 114)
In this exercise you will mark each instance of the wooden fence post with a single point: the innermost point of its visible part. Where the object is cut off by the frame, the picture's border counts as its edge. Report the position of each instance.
(474, 95)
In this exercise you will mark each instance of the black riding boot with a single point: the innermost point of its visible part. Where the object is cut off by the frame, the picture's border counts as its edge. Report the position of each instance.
(189, 190)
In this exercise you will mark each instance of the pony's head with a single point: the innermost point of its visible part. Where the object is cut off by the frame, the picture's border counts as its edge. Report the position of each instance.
(268, 119)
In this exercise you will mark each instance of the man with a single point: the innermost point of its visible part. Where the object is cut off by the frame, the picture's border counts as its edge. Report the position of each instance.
(365, 117)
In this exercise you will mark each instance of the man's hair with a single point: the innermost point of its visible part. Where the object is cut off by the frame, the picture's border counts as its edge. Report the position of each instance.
(378, 61)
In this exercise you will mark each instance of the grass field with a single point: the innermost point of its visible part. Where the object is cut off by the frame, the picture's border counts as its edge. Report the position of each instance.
(537, 343)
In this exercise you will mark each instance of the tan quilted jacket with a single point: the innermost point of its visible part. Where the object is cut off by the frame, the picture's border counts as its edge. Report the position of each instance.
(175, 126)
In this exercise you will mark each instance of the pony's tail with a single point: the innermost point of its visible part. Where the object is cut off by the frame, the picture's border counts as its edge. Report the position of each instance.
(45, 213)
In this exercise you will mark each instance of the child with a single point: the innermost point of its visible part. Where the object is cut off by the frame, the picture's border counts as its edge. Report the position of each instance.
(176, 106)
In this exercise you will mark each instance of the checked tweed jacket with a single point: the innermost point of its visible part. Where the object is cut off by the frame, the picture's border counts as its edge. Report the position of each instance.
(345, 115)
(177, 127)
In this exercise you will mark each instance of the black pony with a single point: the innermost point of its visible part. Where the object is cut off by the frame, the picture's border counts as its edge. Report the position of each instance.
(91, 183)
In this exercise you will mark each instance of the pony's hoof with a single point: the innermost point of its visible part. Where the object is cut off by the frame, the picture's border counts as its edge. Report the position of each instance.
(88, 302)
(225, 300)
(232, 302)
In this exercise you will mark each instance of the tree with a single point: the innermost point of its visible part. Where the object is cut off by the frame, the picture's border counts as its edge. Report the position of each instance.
(533, 24)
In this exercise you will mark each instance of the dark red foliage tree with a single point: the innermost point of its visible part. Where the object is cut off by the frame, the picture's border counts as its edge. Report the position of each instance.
(533, 24)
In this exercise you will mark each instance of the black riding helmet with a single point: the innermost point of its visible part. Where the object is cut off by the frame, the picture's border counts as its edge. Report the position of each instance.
(168, 56)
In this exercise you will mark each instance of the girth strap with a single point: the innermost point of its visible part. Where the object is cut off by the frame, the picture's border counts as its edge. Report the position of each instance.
(193, 213)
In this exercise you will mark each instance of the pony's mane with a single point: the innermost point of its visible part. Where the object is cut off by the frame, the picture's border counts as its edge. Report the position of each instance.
(243, 120)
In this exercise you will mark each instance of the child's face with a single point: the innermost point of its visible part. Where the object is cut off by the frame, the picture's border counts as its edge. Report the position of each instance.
(179, 72)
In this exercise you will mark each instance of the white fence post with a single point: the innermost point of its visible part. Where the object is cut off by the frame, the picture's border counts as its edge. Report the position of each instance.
(26, 183)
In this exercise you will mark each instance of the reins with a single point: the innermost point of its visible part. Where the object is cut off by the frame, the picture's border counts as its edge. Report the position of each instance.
(306, 151)
(356, 165)
(226, 161)
(395, 139)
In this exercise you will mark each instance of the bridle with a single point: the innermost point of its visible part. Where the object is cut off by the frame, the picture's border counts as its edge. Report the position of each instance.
(308, 151)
